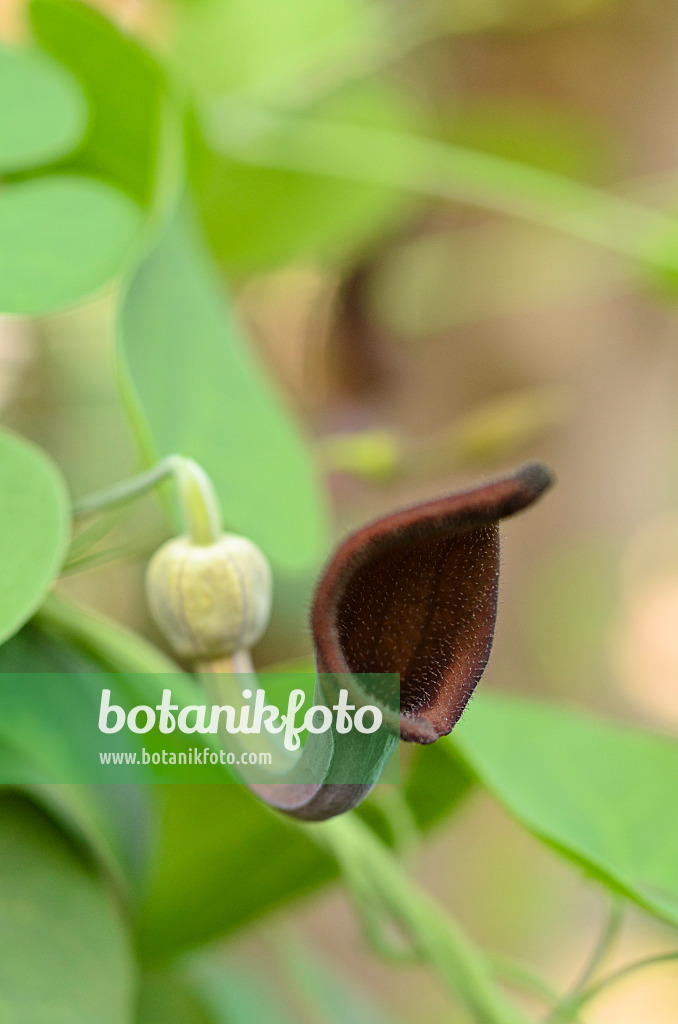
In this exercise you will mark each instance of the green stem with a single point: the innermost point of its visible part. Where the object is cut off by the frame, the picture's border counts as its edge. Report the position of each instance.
(610, 932)
(113, 646)
(369, 867)
(93, 560)
(523, 977)
(88, 538)
(563, 1012)
(568, 1005)
(126, 490)
(390, 802)
(429, 167)
(198, 501)
(594, 991)
(370, 912)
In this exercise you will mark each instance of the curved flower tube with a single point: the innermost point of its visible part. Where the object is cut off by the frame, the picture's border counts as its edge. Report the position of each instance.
(413, 593)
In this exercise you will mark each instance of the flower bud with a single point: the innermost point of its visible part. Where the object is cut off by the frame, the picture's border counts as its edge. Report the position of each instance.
(210, 600)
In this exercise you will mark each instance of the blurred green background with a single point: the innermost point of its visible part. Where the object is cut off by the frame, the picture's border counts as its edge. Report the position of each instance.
(425, 320)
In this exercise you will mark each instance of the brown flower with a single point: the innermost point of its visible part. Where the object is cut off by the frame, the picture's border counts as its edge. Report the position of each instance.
(413, 593)
(416, 593)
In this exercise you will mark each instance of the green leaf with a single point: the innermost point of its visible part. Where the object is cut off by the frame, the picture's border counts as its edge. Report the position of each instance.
(123, 84)
(233, 996)
(263, 47)
(61, 238)
(198, 392)
(165, 998)
(602, 794)
(207, 990)
(113, 820)
(436, 783)
(43, 113)
(34, 528)
(65, 957)
(222, 859)
(259, 217)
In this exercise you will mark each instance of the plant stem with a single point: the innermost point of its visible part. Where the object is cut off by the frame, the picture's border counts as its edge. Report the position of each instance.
(594, 991)
(115, 647)
(125, 490)
(198, 501)
(395, 809)
(372, 871)
(426, 166)
(568, 1005)
(521, 976)
(610, 932)
(200, 508)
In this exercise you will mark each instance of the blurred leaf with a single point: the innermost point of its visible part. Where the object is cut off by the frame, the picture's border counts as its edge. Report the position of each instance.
(197, 392)
(207, 990)
(34, 528)
(165, 998)
(113, 820)
(259, 217)
(236, 997)
(437, 782)
(264, 48)
(602, 794)
(61, 238)
(222, 859)
(110, 645)
(124, 86)
(65, 957)
(43, 113)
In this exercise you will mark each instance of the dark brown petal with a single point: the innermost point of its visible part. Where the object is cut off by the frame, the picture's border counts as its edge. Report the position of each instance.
(415, 593)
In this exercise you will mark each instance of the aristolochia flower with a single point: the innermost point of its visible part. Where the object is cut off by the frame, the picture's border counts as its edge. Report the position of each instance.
(413, 593)
(416, 593)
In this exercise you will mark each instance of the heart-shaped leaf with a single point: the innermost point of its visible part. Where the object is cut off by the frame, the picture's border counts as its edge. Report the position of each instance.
(210, 835)
(198, 392)
(270, 45)
(601, 793)
(34, 528)
(43, 113)
(124, 87)
(61, 238)
(65, 957)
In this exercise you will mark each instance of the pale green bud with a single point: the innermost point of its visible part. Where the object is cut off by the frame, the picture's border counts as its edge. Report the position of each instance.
(210, 600)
